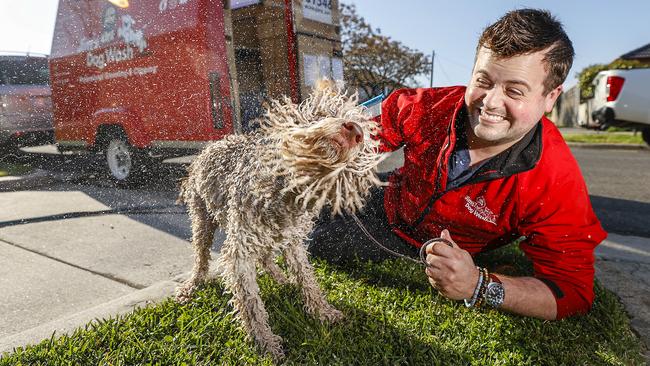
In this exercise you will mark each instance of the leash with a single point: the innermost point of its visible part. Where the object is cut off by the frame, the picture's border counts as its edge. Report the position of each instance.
(423, 253)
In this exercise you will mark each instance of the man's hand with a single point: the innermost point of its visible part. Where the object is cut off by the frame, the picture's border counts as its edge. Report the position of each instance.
(451, 270)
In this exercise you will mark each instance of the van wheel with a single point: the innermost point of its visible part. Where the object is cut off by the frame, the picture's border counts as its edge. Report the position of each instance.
(125, 164)
(645, 134)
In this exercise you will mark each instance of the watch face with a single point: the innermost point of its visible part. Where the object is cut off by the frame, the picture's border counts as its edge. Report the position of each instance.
(495, 294)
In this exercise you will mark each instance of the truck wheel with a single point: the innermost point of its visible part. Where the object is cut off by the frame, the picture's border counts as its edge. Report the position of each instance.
(646, 135)
(125, 164)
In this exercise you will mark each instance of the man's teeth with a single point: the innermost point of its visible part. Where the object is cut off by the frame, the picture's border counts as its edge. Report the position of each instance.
(492, 117)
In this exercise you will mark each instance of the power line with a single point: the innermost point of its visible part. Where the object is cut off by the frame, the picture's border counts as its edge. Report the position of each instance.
(459, 64)
(444, 72)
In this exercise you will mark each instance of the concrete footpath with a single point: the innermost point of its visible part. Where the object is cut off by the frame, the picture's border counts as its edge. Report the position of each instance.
(57, 273)
(623, 267)
(73, 253)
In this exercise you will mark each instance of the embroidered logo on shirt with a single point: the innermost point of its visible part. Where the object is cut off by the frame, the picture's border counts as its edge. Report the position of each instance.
(479, 210)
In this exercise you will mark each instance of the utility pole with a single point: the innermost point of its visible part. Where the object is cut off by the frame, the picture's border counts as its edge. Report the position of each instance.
(433, 56)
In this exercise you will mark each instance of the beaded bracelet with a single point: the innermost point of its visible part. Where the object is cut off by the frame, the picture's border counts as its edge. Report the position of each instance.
(483, 289)
(469, 303)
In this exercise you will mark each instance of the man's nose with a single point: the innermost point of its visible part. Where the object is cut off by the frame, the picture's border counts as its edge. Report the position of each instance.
(493, 99)
(352, 133)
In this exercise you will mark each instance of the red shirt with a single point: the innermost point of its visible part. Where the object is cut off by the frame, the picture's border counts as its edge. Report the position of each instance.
(533, 190)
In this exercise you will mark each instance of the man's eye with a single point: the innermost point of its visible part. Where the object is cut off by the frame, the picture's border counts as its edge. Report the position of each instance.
(515, 92)
(482, 82)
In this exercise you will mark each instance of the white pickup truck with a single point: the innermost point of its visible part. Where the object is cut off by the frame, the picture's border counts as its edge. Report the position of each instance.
(622, 98)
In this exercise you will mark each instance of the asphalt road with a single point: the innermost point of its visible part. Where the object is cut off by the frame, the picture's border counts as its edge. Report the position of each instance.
(618, 183)
(152, 204)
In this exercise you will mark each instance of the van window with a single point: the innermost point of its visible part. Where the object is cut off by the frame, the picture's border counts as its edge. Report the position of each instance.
(24, 72)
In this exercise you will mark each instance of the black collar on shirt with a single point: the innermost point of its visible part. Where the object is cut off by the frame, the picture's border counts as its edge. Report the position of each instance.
(518, 158)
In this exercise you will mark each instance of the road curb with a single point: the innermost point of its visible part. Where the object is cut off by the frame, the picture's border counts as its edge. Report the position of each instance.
(153, 294)
(583, 145)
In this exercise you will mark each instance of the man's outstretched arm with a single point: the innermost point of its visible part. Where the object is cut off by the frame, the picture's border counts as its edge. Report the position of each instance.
(528, 296)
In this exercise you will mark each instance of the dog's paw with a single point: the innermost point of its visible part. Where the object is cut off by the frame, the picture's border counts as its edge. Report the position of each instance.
(331, 315)
(273, 346)
(184, 294)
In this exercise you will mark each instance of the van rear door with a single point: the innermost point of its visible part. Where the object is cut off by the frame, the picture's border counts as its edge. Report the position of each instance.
(146, 67)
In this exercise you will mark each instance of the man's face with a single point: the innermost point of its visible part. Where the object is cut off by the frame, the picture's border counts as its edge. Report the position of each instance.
(505, 97)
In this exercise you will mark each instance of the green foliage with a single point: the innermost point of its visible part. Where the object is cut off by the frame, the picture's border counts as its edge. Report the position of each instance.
(608, 138)
(393, 317)
(619, 129)
(8, 168)
(585, 79)
(586, 76)
(374, 62)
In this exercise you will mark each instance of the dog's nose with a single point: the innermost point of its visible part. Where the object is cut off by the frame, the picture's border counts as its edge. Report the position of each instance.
(353, 133)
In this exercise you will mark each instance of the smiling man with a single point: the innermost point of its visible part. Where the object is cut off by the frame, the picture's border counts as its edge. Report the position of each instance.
(483, 167)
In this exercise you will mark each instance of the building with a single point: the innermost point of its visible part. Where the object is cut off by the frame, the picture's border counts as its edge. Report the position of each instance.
(566, 113)
(281, 47)
(641, 54)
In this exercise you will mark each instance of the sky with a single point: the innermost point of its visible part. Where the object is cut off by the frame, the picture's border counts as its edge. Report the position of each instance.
(600, 30)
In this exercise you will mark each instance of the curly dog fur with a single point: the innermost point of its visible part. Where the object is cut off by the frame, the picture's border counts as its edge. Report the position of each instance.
(265, 190)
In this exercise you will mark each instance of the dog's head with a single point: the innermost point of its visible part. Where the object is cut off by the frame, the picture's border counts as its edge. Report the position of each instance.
(328, 147)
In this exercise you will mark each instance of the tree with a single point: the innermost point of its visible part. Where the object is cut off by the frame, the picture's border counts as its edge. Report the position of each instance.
(373, 62)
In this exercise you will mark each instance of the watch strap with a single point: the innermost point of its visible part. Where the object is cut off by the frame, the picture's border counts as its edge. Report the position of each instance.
(494, 278)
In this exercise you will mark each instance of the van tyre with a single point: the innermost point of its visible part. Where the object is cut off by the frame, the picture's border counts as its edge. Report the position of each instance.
(125, 164)
(645, 134)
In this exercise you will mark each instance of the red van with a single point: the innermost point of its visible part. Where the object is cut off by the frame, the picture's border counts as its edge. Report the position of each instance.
(139, 80)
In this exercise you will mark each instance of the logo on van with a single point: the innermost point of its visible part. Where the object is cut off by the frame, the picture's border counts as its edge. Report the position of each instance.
(170, 4)
(127, 31)
(124, 29)
(480, 210)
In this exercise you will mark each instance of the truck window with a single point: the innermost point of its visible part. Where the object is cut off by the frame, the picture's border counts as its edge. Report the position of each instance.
(24, 72)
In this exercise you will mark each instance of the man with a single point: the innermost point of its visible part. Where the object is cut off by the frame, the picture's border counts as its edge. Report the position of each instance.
(484, 166)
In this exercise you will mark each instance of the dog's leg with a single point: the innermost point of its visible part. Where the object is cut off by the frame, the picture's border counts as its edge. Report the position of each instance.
(272, 268)
(315, 302)
(239, 274)
(203, 228)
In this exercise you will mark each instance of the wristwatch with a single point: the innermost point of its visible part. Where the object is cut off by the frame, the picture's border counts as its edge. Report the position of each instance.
(495, 293)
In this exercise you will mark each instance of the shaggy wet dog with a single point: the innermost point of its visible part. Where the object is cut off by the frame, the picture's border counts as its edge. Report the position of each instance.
(265, 189)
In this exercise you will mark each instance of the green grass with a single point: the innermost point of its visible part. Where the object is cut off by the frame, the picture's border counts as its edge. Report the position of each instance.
(7, 169)
(605, 137)
(393, 317)
(619, 129)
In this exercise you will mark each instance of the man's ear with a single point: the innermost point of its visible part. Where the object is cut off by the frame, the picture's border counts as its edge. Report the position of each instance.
(551, 97)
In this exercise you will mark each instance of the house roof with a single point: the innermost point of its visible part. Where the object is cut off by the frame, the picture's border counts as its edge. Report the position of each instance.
(641, 52)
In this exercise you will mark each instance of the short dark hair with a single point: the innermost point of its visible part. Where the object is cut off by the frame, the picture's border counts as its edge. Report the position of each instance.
(526, 31)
